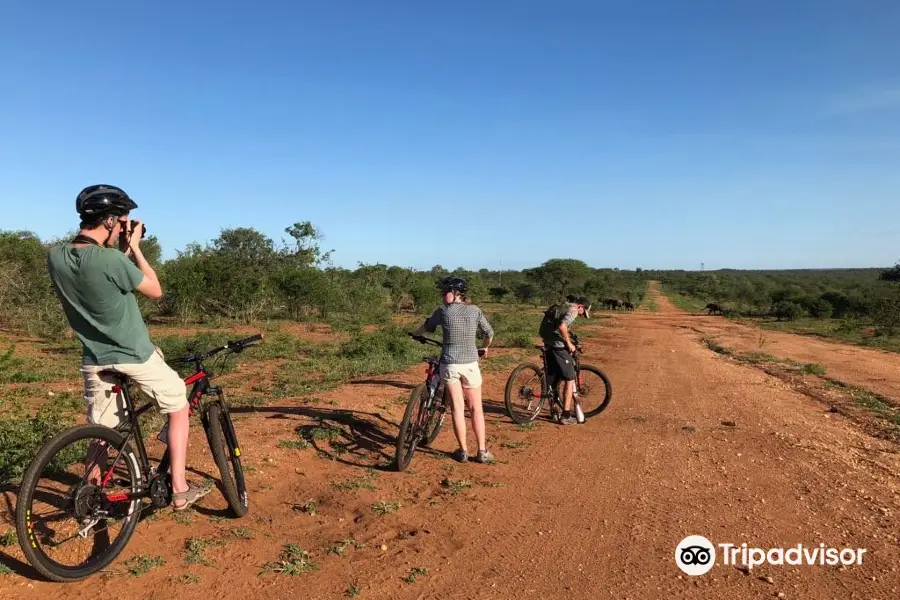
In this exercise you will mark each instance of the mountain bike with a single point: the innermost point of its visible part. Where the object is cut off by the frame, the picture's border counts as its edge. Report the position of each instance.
(95, 479)
(528, 389)
(425, 411)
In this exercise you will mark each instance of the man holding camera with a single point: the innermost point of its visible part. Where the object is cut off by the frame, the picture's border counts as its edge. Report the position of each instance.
(96, 284)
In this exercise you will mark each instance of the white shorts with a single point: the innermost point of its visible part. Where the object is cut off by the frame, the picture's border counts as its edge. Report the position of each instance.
(468, 373)
(156, 379)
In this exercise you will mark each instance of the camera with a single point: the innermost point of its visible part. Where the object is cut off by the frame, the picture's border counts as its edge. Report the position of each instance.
(123, 234)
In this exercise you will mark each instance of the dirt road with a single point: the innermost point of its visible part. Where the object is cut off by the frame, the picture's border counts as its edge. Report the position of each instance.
(591, 511)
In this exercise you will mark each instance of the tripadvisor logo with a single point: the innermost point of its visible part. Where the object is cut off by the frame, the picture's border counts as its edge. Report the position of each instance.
(696, 555)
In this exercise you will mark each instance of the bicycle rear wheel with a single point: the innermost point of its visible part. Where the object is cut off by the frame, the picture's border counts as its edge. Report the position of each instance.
(70, 490)
(526, 392)
(227, 454)
(594, 390)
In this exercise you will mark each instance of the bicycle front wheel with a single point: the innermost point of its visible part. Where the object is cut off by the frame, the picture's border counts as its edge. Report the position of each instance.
(73, 513)
(411, 428)
(594, 390)
(526, 392)
(227, 454)
(436, 418)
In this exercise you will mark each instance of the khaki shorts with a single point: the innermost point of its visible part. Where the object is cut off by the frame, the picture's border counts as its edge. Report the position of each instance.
(155, 378)
(468, 373)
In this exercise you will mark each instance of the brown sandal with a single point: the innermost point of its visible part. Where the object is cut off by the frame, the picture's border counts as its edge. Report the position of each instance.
(189, 497)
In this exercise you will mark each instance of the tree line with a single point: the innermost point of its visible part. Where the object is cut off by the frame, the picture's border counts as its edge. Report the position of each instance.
(868, 296)
(245, 275)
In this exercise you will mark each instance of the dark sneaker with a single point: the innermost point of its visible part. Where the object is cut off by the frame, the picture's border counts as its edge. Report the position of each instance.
(484, 457)
(460, 455)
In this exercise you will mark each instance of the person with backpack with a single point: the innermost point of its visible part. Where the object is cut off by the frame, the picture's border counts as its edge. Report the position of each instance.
(554, 331)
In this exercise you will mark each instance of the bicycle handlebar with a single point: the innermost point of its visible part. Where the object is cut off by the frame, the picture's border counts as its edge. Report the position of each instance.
(233, 345)
(425, 340)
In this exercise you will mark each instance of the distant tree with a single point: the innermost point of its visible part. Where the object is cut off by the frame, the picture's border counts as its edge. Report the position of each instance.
(558, 275)
(892, 274)
(525, 292)
(497, 293)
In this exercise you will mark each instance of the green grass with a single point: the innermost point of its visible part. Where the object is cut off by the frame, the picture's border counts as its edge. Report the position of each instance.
(844, 330)
(870, 400)
(762, 358)
(685, 303)
(355, 483)
(382, 508)
(294, 560)
(4, 570)
(22, 434)
(514, 328)
(353, 590)
(185, 578)
(326, 366)
(195, 550)
(141, 564)
(8, 539)
(414, 573)
(456, 487)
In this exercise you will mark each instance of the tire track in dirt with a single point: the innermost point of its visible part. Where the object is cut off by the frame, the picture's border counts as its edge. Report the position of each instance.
(583, 512)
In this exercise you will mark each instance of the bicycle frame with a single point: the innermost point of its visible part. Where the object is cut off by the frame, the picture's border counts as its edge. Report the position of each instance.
(201, 387)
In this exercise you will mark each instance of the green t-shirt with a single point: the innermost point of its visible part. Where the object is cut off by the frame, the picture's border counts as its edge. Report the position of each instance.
(96, 287)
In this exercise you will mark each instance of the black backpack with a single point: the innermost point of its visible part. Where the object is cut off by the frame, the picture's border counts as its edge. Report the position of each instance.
(549, 329)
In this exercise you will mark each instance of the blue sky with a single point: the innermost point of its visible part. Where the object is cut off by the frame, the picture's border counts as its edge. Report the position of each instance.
(656, 134)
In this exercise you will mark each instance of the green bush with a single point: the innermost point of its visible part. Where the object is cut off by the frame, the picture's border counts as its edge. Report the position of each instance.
(22, 435)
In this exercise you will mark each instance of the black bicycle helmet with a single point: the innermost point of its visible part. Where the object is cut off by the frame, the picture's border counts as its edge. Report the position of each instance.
(453, 284)
(103, 199)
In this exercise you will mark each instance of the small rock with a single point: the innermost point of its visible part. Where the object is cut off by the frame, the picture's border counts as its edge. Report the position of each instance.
(745, 569)
(384, 547)
(780, 595)
(729, 423)
(769, 580)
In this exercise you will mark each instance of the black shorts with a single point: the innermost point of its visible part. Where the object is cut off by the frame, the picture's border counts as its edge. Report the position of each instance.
(560, 364)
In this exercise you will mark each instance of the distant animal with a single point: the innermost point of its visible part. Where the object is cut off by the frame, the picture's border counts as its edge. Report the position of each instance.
(628, 305)
(613, 303)
(712, 308)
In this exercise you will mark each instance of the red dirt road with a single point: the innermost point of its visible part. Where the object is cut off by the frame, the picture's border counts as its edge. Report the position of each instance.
(591, 511)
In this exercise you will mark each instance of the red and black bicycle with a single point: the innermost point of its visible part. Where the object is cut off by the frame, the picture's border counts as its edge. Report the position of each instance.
(88, 487)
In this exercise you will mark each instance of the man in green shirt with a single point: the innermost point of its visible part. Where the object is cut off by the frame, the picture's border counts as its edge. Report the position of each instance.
(96, 284)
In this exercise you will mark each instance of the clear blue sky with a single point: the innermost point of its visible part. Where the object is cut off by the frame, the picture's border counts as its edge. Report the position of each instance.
(744, 134)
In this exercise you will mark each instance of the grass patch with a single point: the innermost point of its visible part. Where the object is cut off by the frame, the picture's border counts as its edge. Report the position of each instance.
(414, 573)
(9, 538)
(325, 366)
(514, 445)
(763, 358)
(356, 483)
(514, 329)
(195, 549)
(382, 508)
(185, 578)
(4, 570)
(294, 560)
(294, 444)
(140, 564)
(455, 487)
(870, 400)
(21, 436)
(338, 548)
(242, 533)
(309, 507)
(353, 590)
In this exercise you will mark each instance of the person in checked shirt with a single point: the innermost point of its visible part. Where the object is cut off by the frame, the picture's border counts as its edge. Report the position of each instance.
(461, 323)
